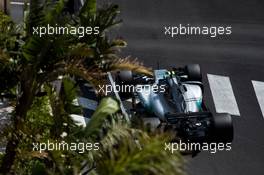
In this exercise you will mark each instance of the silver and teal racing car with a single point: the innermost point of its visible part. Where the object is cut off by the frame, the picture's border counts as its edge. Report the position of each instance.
(174, 98)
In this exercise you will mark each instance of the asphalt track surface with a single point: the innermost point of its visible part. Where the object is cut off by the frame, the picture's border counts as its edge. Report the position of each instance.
(239, 56)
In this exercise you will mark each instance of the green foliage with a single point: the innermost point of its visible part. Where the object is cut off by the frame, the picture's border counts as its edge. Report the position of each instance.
(38, 168)
(29, 65)
(39, 119)
(89, 8)
(69, 93)
(107, 107)
(144, 156)
(6, 23)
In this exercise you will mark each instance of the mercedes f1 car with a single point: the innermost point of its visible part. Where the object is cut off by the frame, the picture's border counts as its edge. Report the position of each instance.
(175, 97)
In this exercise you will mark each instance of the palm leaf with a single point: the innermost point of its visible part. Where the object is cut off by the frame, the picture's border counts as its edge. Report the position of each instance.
(89, 7)
(106, 108)
(149, 158)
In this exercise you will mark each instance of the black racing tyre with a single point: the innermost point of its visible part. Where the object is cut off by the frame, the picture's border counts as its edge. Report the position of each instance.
(194, 72)
(222, 128)
(125, 77)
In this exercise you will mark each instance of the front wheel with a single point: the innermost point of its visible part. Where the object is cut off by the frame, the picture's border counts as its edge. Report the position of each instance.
(193, 72)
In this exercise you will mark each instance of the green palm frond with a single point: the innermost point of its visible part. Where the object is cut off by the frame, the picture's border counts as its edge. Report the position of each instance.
(91, 74)
(107, 18)
(69, 92)
(6, 23)
(41, 14)
(107, 107)
(7, 33)
(54, 11)
(128, 64)
(89, 8)
(81, 51)
(144, 156)
(118, 130)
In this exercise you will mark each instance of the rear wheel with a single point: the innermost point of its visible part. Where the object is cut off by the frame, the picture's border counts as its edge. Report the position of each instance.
(194, 72)
(222, 128)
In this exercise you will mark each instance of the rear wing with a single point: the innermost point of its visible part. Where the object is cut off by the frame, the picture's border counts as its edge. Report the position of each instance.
(173, 118)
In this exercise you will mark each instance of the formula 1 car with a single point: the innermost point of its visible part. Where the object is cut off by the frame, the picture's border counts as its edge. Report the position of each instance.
(175, 97)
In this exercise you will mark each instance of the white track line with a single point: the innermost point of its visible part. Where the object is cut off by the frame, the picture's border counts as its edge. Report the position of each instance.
(259, 90)
(223, 95)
